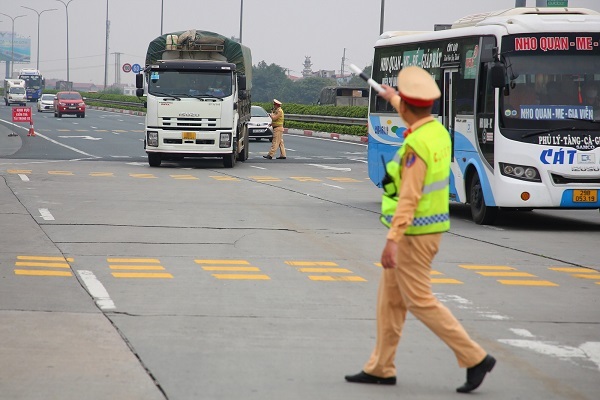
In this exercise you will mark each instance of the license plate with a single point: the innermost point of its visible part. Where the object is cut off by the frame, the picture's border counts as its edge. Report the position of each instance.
(72, 108)
(585, 196)
(188, 135)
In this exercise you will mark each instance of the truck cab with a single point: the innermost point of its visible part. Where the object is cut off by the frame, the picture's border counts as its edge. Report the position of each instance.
(15, 92)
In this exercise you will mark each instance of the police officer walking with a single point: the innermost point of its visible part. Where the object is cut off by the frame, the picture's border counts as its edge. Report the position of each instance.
(277, 123)
(416, 210)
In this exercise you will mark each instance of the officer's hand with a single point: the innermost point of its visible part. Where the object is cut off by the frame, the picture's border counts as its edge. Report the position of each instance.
(388, 93)
(388, 256)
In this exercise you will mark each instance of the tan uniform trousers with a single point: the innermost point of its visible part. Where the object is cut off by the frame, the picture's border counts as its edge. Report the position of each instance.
(408, 287)
(277, 142)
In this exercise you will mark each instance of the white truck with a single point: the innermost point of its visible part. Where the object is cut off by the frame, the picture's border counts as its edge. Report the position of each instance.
(197, 86)
(14, 92)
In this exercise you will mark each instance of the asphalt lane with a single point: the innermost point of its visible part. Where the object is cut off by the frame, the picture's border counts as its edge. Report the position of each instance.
(259, 282)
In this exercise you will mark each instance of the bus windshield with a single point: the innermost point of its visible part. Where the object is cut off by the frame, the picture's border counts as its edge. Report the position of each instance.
(192, 84)
(32, 81)
(547, 91)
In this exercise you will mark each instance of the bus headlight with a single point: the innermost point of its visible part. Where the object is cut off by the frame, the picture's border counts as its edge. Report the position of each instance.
(225, 140)
(152, 139)
(522, 172)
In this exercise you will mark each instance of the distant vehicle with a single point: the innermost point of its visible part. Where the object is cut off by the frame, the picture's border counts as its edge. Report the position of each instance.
(69, 103)
(259, 126)
(14, 92)
(45, 103)
(34, 83)
(344, 96)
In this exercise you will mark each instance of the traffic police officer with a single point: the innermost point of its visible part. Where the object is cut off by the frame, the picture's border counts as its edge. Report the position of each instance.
(277, 123)
(415, 208)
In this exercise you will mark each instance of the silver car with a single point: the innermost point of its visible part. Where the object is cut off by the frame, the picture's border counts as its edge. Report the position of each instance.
(45, 103)
(259, 126)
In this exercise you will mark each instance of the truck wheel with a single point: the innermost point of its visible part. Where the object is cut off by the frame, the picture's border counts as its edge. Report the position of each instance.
(229, 160)
(243, 156)
(154, 159)
(481, 213)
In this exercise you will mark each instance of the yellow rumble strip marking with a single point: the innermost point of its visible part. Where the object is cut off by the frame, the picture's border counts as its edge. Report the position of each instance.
(506, 274)
(435, 273)
(19, 171)
(142, 176)
(102, 174)
(305, 179)
(41, 258)
(488, 267)
(224, 178)
(141, 275)
(311, 263)
(61, 173)
(41, 264)
(234, 262)
(587, 276)
(343, 179)
(42, 273)
(134, 260)
(182, 177)
(232, 269)
(446, 280)
(265, 178)
(333, 270)
(138, 267)
(242, 276)
(574, 270)
(336, 278)
(526, 283)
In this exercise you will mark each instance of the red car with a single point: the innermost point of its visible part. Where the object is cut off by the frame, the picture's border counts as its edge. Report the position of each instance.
(69, 103)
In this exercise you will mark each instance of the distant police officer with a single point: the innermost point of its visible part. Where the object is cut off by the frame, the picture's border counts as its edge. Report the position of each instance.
(277, 123)
(415, 208)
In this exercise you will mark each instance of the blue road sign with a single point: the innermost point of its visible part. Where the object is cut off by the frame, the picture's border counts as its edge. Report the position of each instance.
(136, 68)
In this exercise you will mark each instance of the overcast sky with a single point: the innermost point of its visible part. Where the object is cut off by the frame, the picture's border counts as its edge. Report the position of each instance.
(279, 31)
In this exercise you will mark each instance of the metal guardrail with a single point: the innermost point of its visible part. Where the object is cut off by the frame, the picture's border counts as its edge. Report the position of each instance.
(323, 119)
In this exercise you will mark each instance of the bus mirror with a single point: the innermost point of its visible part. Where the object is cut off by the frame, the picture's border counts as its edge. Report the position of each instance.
(498, 73)
(139, 81)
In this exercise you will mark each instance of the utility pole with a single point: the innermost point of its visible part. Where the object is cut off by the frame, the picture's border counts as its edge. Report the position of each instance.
(343, 64)
(106, 49)
(117, 68)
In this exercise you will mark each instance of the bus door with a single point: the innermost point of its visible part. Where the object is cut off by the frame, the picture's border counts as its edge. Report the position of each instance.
(449, 102)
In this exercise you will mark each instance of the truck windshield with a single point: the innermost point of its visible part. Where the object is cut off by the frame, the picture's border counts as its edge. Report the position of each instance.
(551, 91)
(190, 83)
(17, 90)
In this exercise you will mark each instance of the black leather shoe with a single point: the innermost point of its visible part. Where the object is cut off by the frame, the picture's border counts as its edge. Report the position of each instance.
(281, 158)
(363, 377)
(476, 374)
(268, 157)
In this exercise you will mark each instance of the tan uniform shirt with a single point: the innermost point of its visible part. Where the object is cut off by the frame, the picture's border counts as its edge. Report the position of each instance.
(411, 190)
(277, 117)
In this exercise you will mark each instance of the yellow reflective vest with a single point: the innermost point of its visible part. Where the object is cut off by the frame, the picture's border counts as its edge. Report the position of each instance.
(431, 142)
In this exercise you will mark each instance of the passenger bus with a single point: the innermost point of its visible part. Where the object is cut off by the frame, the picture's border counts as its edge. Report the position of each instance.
(518, 91)
(344, 96)
(34, 82)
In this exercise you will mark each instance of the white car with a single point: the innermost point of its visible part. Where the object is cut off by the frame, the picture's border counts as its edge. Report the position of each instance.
(45, 103)
(259, 126)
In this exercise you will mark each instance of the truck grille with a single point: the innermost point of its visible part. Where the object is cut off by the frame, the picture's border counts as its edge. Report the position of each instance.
(198, 123)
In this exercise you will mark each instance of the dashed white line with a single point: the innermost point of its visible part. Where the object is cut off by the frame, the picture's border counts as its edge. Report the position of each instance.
(45, 214)
(24, 177)
(96, 290)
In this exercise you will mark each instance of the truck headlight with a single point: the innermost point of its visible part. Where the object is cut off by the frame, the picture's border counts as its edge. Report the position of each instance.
(225, 140)
(522, 172)
(152, 139)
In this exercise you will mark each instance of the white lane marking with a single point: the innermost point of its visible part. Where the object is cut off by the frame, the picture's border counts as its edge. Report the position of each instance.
(97, 290)
(328, 167)
(24, 177)
(468, 305)
(333, 186)
(254, 166)
(44, 213)
(52, 140)
(81, 137)
(522, 332)
(592, 349)
(356, 159)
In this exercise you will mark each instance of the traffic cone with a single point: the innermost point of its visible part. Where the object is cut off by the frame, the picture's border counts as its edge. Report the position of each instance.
(31, 131)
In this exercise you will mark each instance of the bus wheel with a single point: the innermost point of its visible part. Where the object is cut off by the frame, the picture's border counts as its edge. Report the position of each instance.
(481, 213)
(154, 159)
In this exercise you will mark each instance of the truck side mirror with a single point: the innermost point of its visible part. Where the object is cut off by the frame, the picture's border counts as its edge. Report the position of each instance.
(139, 92)
(242, 82)
(498, 74)
(243, 95)
(139, 82)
